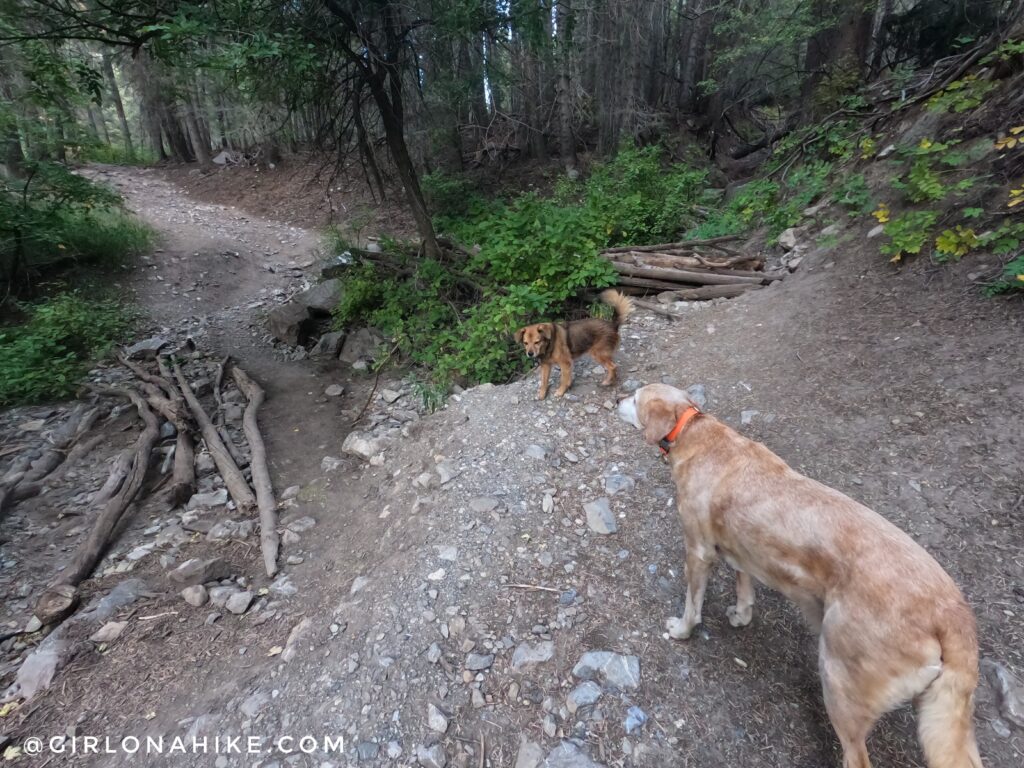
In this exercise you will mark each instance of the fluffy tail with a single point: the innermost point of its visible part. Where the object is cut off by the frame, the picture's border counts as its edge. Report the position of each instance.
(945, 709)
(620, 303)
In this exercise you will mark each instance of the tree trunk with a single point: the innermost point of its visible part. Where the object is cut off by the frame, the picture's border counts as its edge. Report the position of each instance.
(389, 105)
(112, 84)
(200, 144)
(566, 138)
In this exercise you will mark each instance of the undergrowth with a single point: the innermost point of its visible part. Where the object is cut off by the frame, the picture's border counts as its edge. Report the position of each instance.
(53, 219)
(45, 357)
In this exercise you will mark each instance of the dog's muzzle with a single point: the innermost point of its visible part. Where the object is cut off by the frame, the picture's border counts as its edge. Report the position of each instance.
(627, 410)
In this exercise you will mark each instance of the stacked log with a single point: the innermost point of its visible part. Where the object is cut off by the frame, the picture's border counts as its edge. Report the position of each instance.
(694, 270)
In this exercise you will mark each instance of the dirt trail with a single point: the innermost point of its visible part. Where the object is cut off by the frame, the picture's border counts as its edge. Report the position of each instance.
(448, 590)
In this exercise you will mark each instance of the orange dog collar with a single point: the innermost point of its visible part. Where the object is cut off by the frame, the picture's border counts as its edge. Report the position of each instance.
(665, 444)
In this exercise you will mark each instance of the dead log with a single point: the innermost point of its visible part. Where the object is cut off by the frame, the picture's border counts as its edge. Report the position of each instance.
(115, 479)
(183, 479)
(96, 543)
(269, 542)
(235, 481)
(650, 285)
(693, 261)
(706, 292)
(686, 244)
(685, 275)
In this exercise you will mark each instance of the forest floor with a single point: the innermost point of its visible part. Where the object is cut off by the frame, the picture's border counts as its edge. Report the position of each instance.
(438, 606)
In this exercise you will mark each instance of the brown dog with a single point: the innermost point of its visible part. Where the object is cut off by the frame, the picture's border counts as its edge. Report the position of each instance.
(561, 343)
(892, 624)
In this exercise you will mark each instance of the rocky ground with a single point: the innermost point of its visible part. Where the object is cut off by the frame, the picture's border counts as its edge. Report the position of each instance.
(488, 585)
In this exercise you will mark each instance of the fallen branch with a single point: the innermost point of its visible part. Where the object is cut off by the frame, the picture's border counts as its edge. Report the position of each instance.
(183, 479)
(706, 292)
(235, 481)
(269, 541)
(686, 276)
(691, 261)
(57, 596)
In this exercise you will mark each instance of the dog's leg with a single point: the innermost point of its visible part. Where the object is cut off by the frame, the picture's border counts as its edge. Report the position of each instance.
(741, 613)
(566, 381)
(605, 359)
(845, 700)
(698, 566)
(545, 376)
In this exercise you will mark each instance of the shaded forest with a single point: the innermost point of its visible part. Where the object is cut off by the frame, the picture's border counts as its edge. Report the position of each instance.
(413, 87)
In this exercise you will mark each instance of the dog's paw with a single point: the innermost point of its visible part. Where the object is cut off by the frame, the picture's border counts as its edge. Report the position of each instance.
(541, 395)
(677, 629)
(738, 618)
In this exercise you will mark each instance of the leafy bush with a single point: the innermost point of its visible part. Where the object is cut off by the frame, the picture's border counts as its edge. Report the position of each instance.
(1012, 278)
(854, 194)
(908, 233)
(55, 215)
(764, 202)
(46, 356)
(636, 199)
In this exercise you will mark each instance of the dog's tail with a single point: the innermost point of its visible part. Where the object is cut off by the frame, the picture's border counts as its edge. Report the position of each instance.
(620, 303)
(945, 709)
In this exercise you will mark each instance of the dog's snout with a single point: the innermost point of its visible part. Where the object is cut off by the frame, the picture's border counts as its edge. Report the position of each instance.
(530, 353)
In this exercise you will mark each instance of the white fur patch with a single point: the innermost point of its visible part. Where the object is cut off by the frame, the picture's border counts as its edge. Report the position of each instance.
(627, 411)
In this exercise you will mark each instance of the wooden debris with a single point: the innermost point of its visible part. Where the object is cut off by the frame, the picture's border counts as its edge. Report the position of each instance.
(92, 548)
(269, 541)
(235, 481)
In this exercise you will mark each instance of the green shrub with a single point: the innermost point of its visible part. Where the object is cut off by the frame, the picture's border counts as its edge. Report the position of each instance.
(56, 215)
(908, 233)
(854, 195)
(46, 357)
(637, 200)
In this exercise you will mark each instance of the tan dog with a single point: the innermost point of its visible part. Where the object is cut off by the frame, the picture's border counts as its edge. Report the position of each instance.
(892, 625)
(561, 343)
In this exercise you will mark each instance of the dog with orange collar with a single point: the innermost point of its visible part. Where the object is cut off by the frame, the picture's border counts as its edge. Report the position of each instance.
(892, 625)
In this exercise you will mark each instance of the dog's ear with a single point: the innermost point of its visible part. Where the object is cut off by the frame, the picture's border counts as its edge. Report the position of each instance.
(658, 419)
(546, 331)
(519, 335)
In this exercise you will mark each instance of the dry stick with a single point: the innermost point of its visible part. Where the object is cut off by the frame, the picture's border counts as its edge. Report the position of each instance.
(91, 550)
(235, 481)
(269, 541)
(686, 276)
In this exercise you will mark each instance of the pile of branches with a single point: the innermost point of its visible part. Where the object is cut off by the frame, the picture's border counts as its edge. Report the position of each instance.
(693, 270)
(158, 396)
